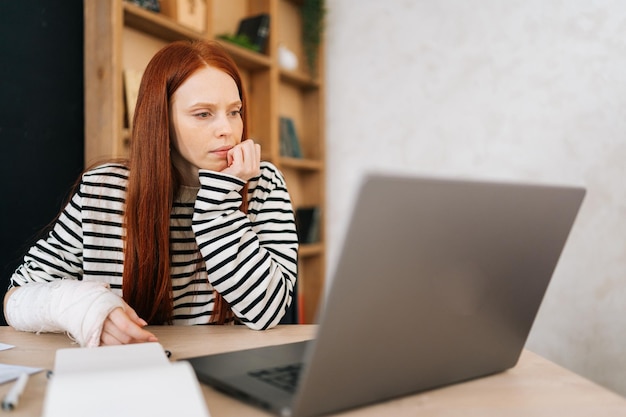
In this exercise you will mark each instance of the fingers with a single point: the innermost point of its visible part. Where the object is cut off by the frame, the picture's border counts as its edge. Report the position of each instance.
(244, 160)
(124, 327)
(247, 155)
(134, 317)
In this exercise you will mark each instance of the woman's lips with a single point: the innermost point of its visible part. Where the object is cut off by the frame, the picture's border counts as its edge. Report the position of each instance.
(222, 152)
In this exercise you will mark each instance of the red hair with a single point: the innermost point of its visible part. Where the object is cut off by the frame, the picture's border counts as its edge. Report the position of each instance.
(154, 182)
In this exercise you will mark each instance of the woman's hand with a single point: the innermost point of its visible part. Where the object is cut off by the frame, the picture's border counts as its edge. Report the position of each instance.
(124, 326)
(244, 160)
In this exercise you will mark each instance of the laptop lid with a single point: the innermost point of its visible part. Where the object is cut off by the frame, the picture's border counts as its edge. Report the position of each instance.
(438, 282)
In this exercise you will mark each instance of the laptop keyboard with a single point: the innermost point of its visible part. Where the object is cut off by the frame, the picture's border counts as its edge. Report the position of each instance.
(283, 377)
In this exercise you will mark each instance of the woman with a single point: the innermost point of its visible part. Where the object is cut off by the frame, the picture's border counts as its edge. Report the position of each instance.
(193, 229)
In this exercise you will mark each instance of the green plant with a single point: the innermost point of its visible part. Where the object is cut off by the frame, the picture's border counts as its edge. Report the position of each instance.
(241, 40)
(312, 12)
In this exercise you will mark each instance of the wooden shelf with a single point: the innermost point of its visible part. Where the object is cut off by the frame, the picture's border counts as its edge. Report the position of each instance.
(247, 59)
(304, 164)
(157, 25)
(299, 79)
(308, 250)
(121, 36)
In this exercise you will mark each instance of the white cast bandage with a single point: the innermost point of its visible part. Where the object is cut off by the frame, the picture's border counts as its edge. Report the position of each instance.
(76, 307)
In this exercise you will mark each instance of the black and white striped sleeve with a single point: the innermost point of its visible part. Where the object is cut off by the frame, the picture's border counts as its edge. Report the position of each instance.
(251, 259)
(60, 254)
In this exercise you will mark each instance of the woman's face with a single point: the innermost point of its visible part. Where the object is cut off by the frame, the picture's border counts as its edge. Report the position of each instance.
(205, 122)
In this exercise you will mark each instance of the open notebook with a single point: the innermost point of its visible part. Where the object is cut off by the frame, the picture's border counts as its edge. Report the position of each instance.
(128, 380)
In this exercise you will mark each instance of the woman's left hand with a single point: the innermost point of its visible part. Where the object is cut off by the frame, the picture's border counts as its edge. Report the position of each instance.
(244, 160)
(123, 326)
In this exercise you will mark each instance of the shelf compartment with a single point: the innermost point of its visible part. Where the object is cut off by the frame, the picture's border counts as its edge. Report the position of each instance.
(307, 250)
(306, 188)
(310, 287)
(157, 25)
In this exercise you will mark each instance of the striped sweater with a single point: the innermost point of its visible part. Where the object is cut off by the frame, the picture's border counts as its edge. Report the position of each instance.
(250, 259)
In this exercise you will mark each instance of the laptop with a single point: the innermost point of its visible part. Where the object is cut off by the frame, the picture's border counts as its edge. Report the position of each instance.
(439, 281)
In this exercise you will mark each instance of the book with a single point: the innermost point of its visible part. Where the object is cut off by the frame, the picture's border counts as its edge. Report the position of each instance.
(289, 141)
(122, 381)
(308, 224)
(285, 142)
(152, 5)
(256, 29)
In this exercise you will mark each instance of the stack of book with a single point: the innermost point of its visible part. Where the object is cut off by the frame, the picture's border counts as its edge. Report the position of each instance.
(289, 142)
(308, 224)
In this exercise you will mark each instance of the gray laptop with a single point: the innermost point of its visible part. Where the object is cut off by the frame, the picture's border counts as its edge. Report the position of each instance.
(438, 282)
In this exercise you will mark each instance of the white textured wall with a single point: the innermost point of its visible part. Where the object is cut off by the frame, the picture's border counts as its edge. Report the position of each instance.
(517, 89)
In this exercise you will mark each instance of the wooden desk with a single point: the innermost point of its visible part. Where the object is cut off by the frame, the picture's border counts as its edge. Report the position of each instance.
(535, 387)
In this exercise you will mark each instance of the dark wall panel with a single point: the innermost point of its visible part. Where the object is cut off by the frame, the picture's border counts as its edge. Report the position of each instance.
(41, 119)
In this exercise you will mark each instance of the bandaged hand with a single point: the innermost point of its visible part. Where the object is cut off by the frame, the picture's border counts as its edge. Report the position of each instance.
(77, 307)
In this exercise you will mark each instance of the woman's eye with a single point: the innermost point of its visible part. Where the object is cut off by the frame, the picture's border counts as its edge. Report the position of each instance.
(235, 112)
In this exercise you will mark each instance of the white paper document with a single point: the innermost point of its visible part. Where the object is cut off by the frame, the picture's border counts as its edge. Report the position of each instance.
(128, 380)
(4, 346)
(11, 372)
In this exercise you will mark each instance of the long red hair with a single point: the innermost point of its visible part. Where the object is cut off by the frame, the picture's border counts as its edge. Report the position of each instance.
(154, 182)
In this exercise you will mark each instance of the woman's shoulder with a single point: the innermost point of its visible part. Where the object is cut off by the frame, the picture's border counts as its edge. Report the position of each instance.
(109, 168)
(109, 173)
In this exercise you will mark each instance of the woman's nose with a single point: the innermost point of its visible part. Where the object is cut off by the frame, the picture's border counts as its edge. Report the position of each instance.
(223, 125)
